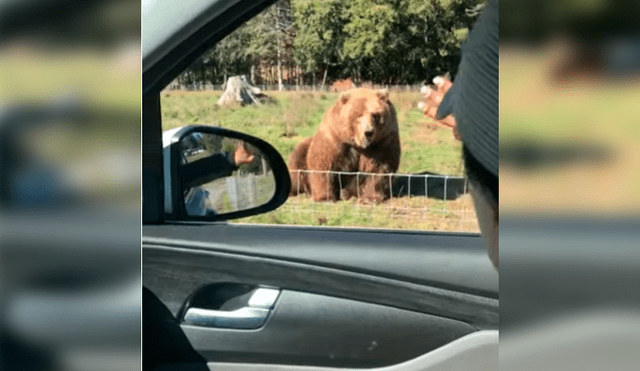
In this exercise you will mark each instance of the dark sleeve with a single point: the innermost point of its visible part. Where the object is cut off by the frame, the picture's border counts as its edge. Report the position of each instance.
(163, 339)
(207, 169)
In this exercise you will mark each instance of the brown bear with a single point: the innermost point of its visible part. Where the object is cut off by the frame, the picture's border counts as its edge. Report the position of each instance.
(342, 85)
(298, 161)
(358, 134)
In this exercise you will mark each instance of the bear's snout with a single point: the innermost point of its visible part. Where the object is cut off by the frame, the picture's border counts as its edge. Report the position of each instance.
(368, 133)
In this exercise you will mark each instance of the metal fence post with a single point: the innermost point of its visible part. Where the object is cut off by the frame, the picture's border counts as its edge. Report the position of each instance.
(445, 187)
(253, 195)
(232, 191)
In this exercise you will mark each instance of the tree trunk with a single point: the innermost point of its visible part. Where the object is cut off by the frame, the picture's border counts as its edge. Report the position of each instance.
(279, 66)
(324, 79)
(202, 74)
(278, 46)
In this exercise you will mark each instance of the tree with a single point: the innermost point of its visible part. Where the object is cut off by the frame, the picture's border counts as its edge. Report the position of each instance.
(368, 36)
(319, 34)
(229, 56)
(382, 41)
(431, 45)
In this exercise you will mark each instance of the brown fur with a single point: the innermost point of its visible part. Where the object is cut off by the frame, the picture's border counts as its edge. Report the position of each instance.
(298, 161)
(367, 85)
(342, 85)
(359, 133)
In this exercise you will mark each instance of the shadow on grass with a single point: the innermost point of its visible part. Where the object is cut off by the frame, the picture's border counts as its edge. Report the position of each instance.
(430, 185)
(533, 155)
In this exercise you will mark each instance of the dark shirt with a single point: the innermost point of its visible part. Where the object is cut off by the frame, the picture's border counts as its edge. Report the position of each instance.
(207, 170)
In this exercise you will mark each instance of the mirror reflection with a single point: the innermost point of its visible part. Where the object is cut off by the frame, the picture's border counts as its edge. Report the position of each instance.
(222, 175)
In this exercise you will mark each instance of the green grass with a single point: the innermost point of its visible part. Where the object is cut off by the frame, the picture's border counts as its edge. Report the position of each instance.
(415, 213)
(297, 115)
(532, 105)
(98, 78)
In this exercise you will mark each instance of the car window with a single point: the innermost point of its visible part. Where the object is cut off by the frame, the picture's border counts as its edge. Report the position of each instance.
(278, 75)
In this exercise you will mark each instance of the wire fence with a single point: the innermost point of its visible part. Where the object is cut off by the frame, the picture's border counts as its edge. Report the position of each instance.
(423, 201)
(430, 185)
(288, 87)
(240, 192)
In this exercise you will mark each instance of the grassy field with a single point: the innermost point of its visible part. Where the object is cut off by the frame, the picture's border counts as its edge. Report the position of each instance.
(297, 115)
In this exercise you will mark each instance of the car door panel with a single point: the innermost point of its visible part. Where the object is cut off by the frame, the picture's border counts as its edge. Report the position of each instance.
(310, 329)
(174, 273)
(334, 305)
(452, 261)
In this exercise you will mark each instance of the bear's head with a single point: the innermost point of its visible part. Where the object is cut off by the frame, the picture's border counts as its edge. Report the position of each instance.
(369, 114)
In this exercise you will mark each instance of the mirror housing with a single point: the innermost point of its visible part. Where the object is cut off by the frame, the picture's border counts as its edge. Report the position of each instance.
(177, 184)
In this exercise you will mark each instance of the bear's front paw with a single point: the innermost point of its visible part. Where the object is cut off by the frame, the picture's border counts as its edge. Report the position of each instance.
(372, 200)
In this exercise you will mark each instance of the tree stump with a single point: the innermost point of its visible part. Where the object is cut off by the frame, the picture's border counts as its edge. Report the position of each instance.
(239, 90)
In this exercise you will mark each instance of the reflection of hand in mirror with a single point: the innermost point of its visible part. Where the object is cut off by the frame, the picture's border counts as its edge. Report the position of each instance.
(242, 156)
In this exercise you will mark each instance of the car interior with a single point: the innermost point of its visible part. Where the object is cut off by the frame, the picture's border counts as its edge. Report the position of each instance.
(220, 296)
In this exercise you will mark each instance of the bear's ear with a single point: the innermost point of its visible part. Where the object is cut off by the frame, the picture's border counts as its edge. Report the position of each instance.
(344, 97)
(383, 94)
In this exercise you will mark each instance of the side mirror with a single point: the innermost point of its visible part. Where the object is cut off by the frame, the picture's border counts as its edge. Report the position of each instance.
(214, 174)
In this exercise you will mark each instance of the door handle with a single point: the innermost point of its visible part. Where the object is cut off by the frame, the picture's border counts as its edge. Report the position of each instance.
(252, 316)
(243, 318)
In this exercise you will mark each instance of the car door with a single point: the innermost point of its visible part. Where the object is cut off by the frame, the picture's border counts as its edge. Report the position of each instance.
(343, 298)
(224, 296)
